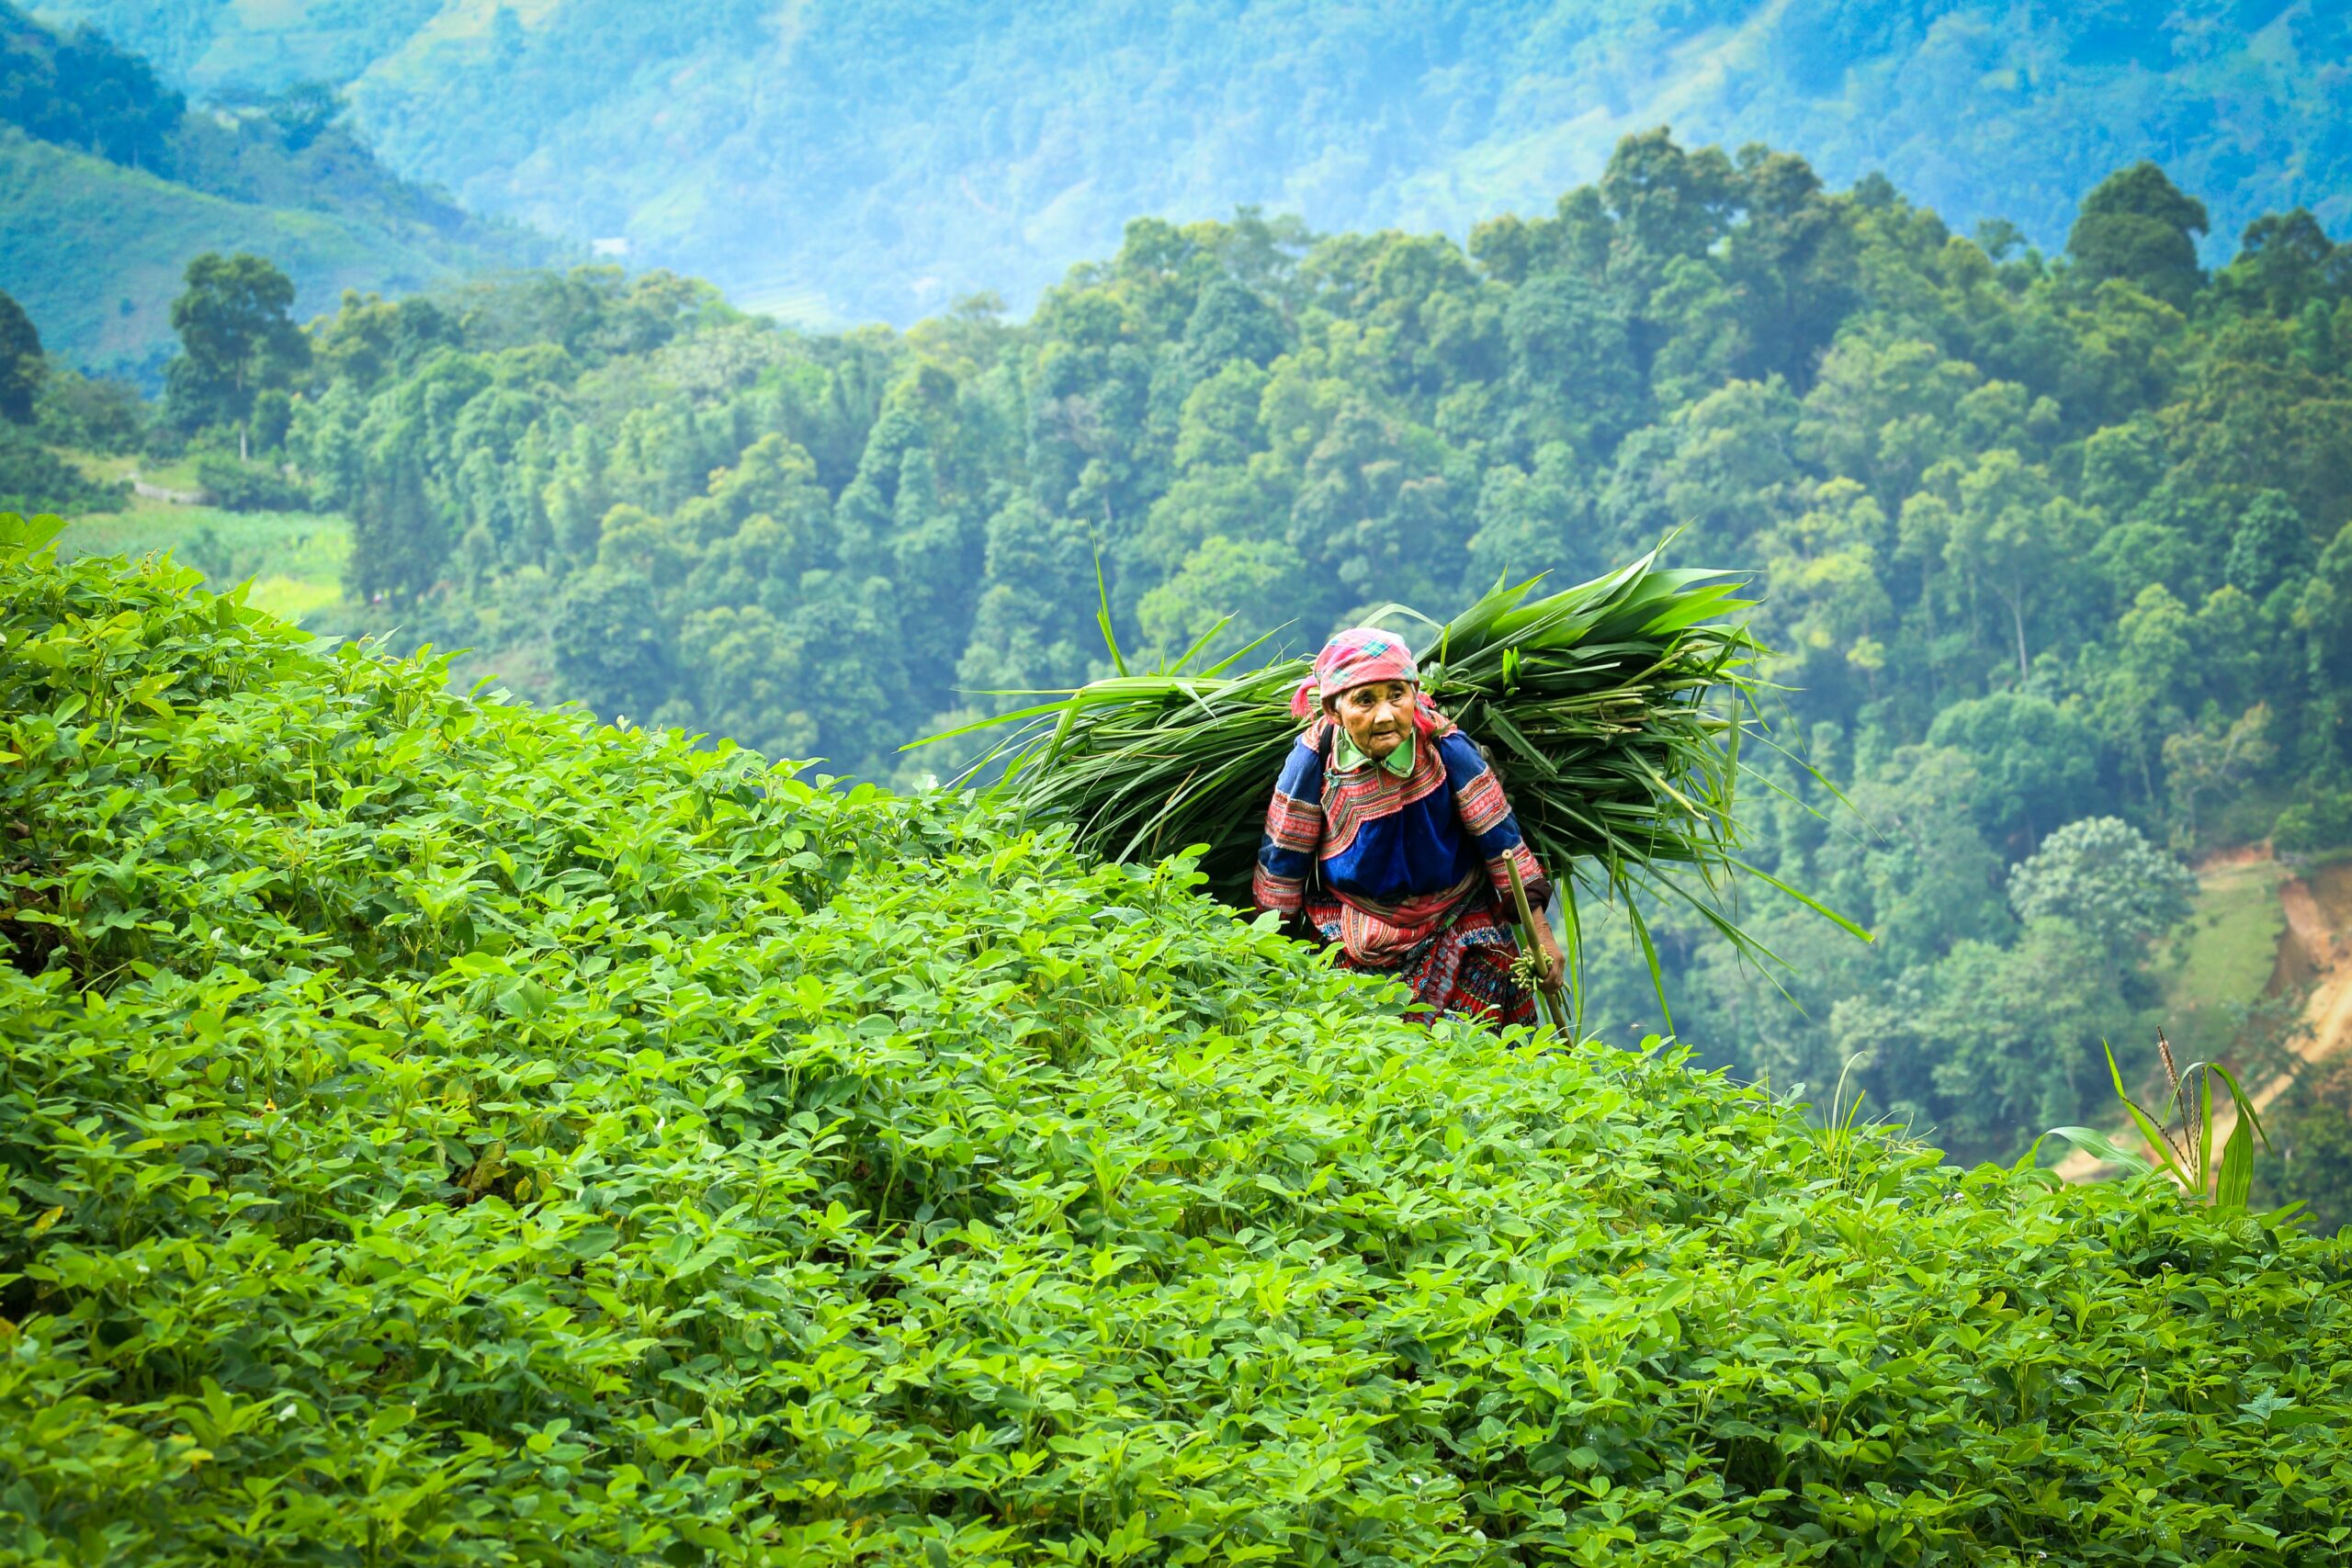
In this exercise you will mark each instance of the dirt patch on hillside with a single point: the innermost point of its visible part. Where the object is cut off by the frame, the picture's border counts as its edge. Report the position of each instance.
(2319, 931)
(2331, 885)
(2314, 951)
(2307, 947)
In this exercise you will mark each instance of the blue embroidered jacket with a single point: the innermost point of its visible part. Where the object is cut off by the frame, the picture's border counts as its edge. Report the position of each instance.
(1400, 853)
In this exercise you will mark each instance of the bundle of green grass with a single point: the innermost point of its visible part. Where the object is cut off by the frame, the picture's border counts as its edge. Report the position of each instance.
(1615, 708)
(436, 1131)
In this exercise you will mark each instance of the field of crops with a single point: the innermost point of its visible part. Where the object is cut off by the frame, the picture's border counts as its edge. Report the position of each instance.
(443, 1133)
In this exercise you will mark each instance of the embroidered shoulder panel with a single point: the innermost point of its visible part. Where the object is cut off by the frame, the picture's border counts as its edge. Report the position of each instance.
(1366, 795)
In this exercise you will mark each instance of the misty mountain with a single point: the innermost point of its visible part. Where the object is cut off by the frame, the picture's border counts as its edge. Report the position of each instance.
(853, 160)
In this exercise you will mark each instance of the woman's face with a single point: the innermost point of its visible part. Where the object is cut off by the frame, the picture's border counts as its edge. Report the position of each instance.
(1378, 717)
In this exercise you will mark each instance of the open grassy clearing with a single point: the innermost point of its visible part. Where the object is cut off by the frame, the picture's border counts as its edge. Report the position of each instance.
(2222, 959)
(174, 473)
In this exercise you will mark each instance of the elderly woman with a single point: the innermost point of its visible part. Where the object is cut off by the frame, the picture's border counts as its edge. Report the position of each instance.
(1389, 834)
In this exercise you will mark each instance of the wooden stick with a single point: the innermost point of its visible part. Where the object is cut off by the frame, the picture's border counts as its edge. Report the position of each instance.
(1552, 1005)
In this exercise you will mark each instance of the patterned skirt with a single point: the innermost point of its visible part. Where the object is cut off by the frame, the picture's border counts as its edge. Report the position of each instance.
(1462, 970)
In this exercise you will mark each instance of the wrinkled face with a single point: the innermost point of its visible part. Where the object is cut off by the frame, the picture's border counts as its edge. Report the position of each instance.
(1378, 716)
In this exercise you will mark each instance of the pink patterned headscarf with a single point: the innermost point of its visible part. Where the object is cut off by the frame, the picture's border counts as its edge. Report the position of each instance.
(1356, 657)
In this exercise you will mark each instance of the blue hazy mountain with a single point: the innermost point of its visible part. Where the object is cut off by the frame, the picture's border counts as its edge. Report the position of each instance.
(860, 158)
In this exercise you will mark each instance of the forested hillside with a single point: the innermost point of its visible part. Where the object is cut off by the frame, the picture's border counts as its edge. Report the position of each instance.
(110, 184)
(2041, 539)
(865, 161)
(438, 1132)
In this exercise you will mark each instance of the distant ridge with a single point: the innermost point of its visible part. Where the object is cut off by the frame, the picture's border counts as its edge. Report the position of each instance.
(893, 157)
(110, 183)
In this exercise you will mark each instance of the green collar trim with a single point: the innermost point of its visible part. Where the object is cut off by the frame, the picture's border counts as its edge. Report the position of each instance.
(1347, 759)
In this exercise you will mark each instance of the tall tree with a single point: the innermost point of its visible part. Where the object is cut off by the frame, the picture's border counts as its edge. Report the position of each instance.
(21, 362)
(2012, 534)
(2138, 226)
(236, 338)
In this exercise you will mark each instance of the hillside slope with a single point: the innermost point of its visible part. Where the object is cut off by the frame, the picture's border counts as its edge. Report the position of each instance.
(863, 161)
(95, 252)
(110, 184)
(446, 1133)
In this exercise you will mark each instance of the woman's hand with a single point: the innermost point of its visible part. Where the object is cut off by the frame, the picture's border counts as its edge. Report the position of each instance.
(1554, 961)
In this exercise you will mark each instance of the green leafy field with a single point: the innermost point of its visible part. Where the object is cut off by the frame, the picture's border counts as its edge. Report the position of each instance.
(444, 1133)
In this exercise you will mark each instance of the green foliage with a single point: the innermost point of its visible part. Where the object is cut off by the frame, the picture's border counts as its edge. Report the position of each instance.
(435, 1132)
(22, 367)
(2102, 877)
(2179, 1134)
(79, 90)
(606, 646)
(34, 478)
(2311, 1157)
(2137, 226)
(248, 487)
(236, 341)
(2034, 760)
(88, 414)
(2320, 821)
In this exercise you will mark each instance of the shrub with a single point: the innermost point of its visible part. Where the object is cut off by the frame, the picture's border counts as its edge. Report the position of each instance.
(248, 487)
(92, 412)
(2321, 821)
(440, 1132)
(34, 478)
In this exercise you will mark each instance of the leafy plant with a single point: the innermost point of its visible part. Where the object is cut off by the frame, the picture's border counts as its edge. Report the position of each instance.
(36, 478)
(2179, 1137)
(248, 487)
(1839, 1133)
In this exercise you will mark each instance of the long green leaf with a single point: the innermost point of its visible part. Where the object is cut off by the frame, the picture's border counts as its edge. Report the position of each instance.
(2235, 1181)
(2098, 1146)
(2157, 1143)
